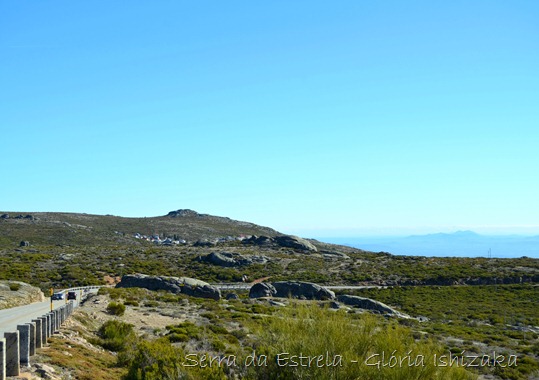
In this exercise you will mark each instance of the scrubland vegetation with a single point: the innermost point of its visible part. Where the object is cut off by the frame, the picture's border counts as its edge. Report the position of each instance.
(250, 340)
(47, 266)
(461, 320)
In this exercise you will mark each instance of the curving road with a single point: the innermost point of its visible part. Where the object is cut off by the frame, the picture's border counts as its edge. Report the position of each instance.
(10, 318)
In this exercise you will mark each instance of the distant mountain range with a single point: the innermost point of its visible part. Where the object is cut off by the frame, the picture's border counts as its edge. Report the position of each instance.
(457, 244)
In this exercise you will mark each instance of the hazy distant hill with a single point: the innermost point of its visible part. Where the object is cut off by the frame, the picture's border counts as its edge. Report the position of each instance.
(460, 244)
(75, 229)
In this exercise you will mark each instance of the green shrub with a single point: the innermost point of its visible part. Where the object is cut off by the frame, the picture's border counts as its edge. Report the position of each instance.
(218, 329)
(210, 316)
(313, 332)
(218, 345)
(177, 337)
(159, 360)
(168, 297)
(14, 286)
(116, 308)
(183, 332)
(115, 335)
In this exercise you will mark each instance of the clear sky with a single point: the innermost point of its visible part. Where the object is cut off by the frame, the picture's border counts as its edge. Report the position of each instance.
(313, 117)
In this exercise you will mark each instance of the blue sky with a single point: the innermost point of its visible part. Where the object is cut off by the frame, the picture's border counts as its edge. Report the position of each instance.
(316, 118)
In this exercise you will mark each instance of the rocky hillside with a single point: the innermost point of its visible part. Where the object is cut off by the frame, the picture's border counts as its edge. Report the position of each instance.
(51, 228)
(16, 293)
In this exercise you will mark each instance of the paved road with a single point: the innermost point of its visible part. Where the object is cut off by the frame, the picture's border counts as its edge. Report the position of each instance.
(10, 318)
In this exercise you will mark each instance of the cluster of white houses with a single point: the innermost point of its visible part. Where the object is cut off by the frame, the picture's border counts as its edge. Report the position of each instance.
(169, 241)
(156, 239)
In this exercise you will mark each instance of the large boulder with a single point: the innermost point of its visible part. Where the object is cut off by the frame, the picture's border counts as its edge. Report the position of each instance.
(262, 289)
(221, 259)
(232, 296)
(184, 285)
(294, 242)
(369, 304)
(298, 289)
(287, 241)
(205, 243)
(262, 241)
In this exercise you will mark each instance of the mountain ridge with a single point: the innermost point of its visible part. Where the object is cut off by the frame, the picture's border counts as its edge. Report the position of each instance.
(83, 228)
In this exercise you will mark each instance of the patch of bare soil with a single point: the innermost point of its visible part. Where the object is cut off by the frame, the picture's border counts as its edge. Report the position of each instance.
(145, 319)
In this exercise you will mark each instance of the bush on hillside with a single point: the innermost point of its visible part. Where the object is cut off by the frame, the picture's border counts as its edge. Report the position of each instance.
(116, 308)
(351, 347)
(116, 335)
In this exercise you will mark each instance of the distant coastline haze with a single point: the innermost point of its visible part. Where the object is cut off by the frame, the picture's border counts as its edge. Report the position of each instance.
(457, 244)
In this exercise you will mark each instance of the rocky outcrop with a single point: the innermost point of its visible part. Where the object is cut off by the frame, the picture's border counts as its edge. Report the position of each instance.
(223, 259)
(226, 259)
(16, 293)
(334, 254)
(46, 372)
(20, 216)
(369, 304)
(200, 289)
(285, 241)
(294, 242)
(205, 243)
(262, 289)
(304, 290)
(183, 213)
(262, 241)
(184, 285)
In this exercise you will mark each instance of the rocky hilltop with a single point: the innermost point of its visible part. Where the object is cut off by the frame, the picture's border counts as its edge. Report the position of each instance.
(52, 228)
